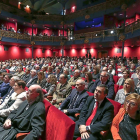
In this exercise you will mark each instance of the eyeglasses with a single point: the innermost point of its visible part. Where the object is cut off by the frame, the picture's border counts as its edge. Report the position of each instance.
(132, 104)
(78, 84)
(103, 75)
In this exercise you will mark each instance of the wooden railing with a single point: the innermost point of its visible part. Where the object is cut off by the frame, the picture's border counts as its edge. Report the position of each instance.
(89, 35)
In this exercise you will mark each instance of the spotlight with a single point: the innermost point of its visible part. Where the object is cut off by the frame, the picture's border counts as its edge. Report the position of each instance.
(112, 32)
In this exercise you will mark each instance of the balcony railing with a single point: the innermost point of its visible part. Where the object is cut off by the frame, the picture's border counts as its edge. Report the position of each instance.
(89, 35)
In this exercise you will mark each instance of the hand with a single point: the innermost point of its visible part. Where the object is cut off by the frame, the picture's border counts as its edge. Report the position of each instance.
(82, 128)
(65, 111)
(7, 124)
(85, 135)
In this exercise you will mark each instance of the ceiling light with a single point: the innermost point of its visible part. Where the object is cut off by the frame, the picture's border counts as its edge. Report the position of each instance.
(96, 35)
(47, 13)
(121, 14)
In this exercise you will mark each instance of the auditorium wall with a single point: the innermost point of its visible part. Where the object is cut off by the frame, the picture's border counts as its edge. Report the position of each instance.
(15, 52)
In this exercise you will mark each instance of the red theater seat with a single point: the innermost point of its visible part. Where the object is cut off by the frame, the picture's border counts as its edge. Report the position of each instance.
(116, 87)
(58, 125)
(115, 79)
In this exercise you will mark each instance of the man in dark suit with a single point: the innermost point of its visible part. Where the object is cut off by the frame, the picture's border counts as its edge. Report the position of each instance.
(75, 101)
(29, 117)
(26, 76)
(32, 79)
(96, 115)
(110, 75)
(104, 79)
(5, 85)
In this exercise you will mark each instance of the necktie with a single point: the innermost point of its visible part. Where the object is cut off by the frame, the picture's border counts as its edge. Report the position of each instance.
(89, 120)
(74, 100)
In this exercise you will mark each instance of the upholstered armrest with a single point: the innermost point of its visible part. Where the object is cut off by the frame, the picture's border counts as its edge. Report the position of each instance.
(21, 136)
(104, 133)
(50, 98)
(77, 115)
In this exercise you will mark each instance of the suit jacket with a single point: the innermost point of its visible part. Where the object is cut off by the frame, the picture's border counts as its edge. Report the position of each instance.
(120, 81)
(78, 103)
(31, 120)
(110, 86)
(103, 118)
(25, 77)
(61, 92)
(4, 88)
(33, 81)
(135, 81)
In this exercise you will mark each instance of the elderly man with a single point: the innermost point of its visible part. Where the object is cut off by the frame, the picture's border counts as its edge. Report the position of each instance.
(75, 101)
(5, 85)
(19, 72)
(96, 115)
(75, 77)
(110, 75)
(29, 117)
(104, 79)
(32, 79)
(63, 89)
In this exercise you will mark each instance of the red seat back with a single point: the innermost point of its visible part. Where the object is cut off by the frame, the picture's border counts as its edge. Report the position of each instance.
(58, 125)
(116, 87)
(116, 105)
(89, 93)
(115, 79)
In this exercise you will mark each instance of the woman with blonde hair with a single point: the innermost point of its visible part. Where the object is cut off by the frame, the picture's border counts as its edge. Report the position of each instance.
(128, 88)
(126, 124)
(50, 86)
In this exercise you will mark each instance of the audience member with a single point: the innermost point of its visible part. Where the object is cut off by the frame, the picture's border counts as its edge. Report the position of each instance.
(26, 75)
(41, 79)
(63, 89)
(104, 79)
(5, 85)
(50, 86)
(128, 88)
(12, 103)
(75, 101)
(96, 74)
(111, 70)
(135, 75)
(126, 124)
(96, 115)
(122, 79)
(88, 80)
(29, 117)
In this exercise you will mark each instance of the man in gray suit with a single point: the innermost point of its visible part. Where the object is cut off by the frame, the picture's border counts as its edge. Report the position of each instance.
(29, 117)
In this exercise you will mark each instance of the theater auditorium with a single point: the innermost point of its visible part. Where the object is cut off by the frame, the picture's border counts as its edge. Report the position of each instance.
(69, 70)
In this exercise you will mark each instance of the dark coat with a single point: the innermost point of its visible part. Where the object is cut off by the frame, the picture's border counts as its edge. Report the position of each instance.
(33, 81)
(78, 103)
(103, 118)
(31, 120)
(4, 88)
(110, 86)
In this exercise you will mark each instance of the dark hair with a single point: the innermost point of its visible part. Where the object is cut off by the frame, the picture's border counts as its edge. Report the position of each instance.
(105, 87)
(65, 76)
(9, 75)
(21, 83)
(41, 96)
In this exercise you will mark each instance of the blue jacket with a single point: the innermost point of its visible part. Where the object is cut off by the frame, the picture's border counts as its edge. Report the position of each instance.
(4, 88)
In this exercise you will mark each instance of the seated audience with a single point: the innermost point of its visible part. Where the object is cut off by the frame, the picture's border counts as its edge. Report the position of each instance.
(96, 74)
(37, 68)
(75, 101)
(3, 68)
(41, 79)
(75, 77)
(120, 73)
(5, 85)
(50, 86)
(66, 71)
(132, 68)
(123, 78)
(19, 72)
(84, 70)
(29, 117)
(32, 79)
(111, 70)
(63, 89)
(104, 79)
(110, 75)
(135, 75)
(12, 103)
(96, 115)
(10, 90)
(26, 75)
(50, 71)
(128, 88)
(126, 124)
(57, 72)
(88, 80)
